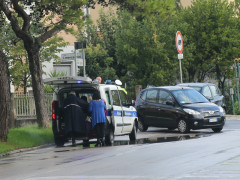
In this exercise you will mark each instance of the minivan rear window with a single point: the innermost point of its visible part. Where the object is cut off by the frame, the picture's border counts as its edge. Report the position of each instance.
(143, 95)
(152, 95)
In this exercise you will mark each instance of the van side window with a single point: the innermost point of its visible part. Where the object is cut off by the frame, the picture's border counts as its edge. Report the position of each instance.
(152, 95)
(123, 98)
(115, 97)
(108, 102)
(164, 97)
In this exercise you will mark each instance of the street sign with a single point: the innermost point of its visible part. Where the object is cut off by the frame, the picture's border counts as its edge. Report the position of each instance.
(179, 45)
(180, 56)
(179, 42)
(70, 56)
(80, 45)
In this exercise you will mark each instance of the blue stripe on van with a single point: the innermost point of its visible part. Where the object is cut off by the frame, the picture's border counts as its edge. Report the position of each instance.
(119, 113)
(130, 113)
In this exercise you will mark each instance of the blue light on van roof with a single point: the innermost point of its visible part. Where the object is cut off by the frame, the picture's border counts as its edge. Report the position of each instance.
(79, 82)
(108, 82)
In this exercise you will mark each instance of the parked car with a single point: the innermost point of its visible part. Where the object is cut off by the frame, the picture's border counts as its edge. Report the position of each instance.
(121, 115)
(209, 90)
(177, 107)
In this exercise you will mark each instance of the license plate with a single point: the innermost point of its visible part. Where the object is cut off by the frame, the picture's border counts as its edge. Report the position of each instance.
(213, 120)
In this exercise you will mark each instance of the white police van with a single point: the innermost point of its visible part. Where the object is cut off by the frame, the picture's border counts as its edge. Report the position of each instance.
(121, 115)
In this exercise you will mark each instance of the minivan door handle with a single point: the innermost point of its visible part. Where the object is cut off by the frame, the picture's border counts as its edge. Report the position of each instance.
(159, 109)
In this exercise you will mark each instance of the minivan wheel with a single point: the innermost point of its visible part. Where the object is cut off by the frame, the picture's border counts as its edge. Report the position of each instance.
(183, 126)
(133, 134)
(109, 137)
(216, 130)
(141, 126)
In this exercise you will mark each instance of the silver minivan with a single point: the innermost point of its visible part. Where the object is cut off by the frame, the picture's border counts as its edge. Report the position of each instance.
(121, 114)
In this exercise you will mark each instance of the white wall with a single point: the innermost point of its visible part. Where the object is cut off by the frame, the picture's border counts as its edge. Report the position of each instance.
(48, 66)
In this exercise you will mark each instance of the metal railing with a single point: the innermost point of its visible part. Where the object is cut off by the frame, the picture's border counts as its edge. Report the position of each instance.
(24, 105)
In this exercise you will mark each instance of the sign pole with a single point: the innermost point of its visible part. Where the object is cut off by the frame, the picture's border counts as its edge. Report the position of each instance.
(180, 66)
(83, 56)
(76, 69)
(179, 45)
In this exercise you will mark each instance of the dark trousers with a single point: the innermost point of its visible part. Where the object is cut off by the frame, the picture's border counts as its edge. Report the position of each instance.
(100, 130)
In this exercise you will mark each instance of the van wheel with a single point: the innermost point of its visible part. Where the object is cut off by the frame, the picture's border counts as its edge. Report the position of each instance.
(59, 141)
(183, 127)
(86, 143)
(141, 126)
(109, 137)
(216, 130)
(133, 134)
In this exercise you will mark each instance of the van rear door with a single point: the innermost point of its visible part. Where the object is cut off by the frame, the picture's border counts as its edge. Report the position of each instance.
(117, 112)
(128, 113)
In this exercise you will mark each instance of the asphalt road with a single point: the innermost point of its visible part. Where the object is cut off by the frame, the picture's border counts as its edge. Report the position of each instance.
(159, 154)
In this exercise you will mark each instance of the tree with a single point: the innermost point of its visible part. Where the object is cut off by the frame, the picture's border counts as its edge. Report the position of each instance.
(5, 100)
(19, 63)
(212, 40)
(99, 63)
(49, 88)
(141, 48)
(134, 41)
(49, 17)
(103, 35)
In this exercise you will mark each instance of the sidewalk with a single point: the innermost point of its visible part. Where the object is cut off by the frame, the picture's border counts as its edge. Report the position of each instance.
(233, 117)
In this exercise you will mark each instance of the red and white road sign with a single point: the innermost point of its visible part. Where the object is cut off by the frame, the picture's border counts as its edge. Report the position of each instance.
(179, 42)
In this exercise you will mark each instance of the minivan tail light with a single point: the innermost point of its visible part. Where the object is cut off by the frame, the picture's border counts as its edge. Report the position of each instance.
(53, 110)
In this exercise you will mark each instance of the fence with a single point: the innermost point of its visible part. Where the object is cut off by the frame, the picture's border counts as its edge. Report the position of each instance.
(24, 105)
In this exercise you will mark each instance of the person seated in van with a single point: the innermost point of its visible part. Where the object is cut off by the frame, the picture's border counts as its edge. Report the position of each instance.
(74, 110)
(99, 79)
(97, 107)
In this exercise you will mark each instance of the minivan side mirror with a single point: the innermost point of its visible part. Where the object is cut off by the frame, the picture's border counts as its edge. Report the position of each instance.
(209, 99)
(132, 103)
(171, 103)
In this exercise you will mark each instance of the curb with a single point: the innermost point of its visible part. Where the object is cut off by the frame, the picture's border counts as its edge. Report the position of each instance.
(24, 150)
(233, 117)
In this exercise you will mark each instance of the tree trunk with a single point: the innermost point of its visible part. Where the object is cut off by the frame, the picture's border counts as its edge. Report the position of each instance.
(5, 99)
(11, 123)
(37, 84)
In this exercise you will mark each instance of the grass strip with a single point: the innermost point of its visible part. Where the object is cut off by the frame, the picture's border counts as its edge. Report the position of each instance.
(26, 137)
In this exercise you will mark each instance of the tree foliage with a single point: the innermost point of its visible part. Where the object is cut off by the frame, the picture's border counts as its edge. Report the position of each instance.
(99, 63)
(47, 18)
(49, 88)
(212, 40)
(141, 50)
(135, 44)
